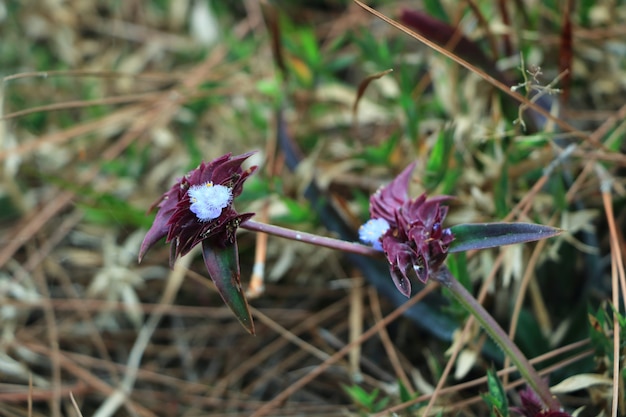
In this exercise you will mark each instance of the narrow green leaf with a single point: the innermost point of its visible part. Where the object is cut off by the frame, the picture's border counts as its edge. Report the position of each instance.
(558, 191)
(223, 267)
(497, 395)
(458, 266)
(501, 192)
(438, 161)
(491, 235)
(381, 154)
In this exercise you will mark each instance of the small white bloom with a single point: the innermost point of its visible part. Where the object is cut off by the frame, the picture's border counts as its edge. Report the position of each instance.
(372, 231)
(208, 200)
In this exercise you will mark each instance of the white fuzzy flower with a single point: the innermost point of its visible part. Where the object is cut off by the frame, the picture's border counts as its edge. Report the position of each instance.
(208, 200)
(372, 231)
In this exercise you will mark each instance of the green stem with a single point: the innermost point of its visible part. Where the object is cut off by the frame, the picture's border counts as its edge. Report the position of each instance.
(538, 384)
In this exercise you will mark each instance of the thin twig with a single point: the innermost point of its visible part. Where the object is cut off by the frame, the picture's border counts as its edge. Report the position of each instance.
(327, 242)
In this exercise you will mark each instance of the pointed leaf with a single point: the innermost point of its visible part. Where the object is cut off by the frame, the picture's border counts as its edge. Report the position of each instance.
(402, 282)
(497, 395)
(490, 235)
(363, 85)
(223, 267)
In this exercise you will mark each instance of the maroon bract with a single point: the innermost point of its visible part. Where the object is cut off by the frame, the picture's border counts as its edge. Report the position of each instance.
(415, 243)
(532, 406)
(199, 207)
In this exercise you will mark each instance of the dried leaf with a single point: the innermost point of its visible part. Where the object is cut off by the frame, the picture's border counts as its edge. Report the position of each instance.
(580, 381)
(363, 85)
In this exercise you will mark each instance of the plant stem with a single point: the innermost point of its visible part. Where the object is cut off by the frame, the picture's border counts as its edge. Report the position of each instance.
(538, 384)
(444, 277)
(327, 242)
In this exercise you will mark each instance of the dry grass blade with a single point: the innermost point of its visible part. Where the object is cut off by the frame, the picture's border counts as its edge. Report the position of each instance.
(618, 281)
(269, 406)
(504, 88)
(76, 408)
(388, 344)
(174, 282)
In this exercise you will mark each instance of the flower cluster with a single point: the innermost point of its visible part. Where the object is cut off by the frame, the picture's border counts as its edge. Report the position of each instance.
(409, 231)
(532, 406)
(199, 207)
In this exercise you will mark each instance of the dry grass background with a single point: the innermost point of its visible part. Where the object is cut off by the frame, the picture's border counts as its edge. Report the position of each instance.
(105, 103)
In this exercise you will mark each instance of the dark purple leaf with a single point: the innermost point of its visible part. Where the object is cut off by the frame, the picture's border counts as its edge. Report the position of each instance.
(223, 266)
(449, 37)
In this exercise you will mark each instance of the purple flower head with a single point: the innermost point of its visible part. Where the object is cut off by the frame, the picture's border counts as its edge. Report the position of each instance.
(199, 207)
(532, 406)
(415, 242)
